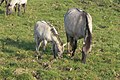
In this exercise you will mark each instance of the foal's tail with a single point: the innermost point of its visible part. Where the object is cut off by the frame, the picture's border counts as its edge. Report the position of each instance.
(88, 39)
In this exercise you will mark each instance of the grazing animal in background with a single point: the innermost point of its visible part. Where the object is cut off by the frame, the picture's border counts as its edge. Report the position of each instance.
(43, 32)
(13, 5)
(78, 24)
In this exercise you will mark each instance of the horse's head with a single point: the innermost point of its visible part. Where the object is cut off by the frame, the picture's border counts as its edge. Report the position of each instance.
(8, 9)
(59, 46)
(59, 49)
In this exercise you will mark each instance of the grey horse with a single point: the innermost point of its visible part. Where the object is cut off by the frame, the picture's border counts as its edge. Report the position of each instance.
(78, 24)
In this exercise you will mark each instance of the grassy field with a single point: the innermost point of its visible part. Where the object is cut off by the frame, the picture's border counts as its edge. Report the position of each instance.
(17, 47)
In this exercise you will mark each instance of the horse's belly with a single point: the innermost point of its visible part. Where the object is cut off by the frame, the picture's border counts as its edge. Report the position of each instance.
(75, 34)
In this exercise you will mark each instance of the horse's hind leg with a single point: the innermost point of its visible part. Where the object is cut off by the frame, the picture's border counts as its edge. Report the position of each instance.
(53, 48)
(44, 44)
(74, 47)
(84, 54)
(38, 44)
(84, 50)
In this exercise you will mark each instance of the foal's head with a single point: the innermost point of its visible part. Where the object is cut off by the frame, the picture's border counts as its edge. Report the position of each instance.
(59, 46)
(59, 50)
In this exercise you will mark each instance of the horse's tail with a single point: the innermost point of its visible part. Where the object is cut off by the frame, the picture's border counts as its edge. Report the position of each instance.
(88, 38)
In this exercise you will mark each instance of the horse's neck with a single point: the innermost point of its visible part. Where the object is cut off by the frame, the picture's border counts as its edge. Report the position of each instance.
(56, 40)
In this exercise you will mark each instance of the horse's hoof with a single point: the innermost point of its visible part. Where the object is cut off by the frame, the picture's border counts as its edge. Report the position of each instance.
(69, 52)
(69, 55)
(72, 57)
(84, 62)
(39, 57)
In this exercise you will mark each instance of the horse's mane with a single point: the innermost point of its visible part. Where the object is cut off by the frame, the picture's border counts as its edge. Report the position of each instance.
(54, 32)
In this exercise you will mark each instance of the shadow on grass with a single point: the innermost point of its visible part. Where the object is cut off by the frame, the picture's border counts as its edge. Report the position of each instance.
(30, 46)
(68, 57)
(18, 43)
(7, 50)
(1, 11)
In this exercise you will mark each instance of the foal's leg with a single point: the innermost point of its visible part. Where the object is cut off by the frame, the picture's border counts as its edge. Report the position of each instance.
(44, 44)
(38, 44)
(54, 53)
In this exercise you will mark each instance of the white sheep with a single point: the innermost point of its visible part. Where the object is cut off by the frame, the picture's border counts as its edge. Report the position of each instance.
(13, 5)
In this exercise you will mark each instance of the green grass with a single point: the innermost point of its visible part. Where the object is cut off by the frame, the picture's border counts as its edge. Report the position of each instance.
(17, 47)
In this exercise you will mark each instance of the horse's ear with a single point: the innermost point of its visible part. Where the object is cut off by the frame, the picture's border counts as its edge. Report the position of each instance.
(54, 31)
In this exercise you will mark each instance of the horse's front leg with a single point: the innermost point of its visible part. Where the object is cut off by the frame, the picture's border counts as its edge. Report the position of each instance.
(68, 44)
(53, 48)
(44, 44)
(38, 44)
(74, 46)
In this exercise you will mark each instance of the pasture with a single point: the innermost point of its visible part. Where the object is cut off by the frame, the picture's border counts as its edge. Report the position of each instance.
(17, 47)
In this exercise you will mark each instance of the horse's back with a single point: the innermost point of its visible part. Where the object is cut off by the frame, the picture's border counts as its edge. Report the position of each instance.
(75, 23)
(42, 30)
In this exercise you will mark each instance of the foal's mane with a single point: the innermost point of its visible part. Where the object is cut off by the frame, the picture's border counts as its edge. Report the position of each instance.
(54, 33)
